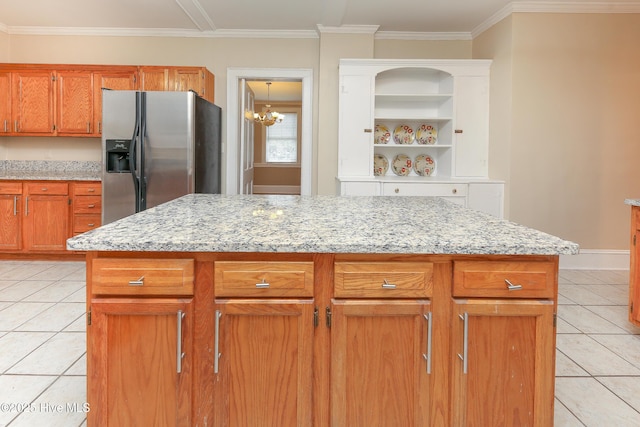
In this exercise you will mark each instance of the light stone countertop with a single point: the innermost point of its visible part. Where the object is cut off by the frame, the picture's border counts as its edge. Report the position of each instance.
(44, 170)
(632, 202)
(319, 224)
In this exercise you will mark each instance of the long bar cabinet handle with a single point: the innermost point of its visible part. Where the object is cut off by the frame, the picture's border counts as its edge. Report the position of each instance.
(511, 286)
(179, 353)
(388, 285)
(5, 125)
(26, 206)
(465, 343)
(216, 345)
(15, 205)
(263, 284)
(427, 357)
(139, 282)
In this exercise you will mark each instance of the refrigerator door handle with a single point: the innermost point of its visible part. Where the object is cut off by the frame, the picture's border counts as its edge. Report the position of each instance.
(142, 178)
(132, 153)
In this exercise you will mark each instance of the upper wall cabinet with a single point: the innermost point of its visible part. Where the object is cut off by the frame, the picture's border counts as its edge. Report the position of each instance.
(196, 79)
(66, 100)
(416, 127)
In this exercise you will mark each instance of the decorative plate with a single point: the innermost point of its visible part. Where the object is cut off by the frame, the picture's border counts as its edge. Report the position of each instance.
(401, 165)
(380, 165)
(381, 135)
(426, 134)
(424, 165)
(403, 134)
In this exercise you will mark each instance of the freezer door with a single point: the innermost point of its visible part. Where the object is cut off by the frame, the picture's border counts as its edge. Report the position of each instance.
(118, 122)
(168, 146)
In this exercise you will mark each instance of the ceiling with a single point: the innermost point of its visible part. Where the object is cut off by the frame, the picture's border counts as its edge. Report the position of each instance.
(294, 17)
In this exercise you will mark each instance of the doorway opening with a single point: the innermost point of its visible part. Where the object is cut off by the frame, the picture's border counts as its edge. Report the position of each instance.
(250, 167)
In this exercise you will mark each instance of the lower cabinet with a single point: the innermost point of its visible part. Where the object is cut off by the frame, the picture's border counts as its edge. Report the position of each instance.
(380, 363)
(37, 217)
(289, 340)
(140, 359)
(10, 216)
(505, 360)
(264, 365)
(46, 216)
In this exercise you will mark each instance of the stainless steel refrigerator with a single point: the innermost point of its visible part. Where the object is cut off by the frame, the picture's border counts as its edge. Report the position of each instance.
(157, 146)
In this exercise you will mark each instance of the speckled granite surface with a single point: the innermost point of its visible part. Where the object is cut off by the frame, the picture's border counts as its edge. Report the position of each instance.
(321, 224)
(50, 170)
(632, 202)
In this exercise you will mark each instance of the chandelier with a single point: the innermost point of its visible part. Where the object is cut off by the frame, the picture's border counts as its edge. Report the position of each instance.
(268, 117)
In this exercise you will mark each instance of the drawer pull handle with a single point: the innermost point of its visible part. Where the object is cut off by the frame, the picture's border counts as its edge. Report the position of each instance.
(367, 131)
(397, 190)
(44, 189)
(511, 286)
(262, 284)
(138, 282)
(91, 224)
(91, 190)
(388, 285)
(91, 206)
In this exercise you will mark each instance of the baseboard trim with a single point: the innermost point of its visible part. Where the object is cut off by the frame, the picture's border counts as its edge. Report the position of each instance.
(596, 259)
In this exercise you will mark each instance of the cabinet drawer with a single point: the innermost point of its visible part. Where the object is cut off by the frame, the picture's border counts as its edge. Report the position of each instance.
(504, 279)
(266, 279)
(383, 279)
(422, 189)
(87, 204)
(10, 188)
(84, 223)
(50, 188)
(123, 276)
(87, 189)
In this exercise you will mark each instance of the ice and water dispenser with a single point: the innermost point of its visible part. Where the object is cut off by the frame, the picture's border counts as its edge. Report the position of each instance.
(117, 155)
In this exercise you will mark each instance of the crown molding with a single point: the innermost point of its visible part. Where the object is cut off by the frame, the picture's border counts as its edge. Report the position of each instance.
(414, 35)
(160, 32)
(555, 7)
(348, 29)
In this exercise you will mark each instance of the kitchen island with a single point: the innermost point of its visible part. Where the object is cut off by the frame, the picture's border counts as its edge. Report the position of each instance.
(324, 311)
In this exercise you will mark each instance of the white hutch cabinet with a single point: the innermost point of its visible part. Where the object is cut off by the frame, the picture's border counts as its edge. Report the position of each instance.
(416, 128)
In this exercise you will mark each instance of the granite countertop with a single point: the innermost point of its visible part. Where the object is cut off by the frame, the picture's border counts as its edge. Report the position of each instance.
(632, 202)
(50, 170)
(319, 224)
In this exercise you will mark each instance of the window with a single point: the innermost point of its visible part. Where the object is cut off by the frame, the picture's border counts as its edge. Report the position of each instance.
(282, 140)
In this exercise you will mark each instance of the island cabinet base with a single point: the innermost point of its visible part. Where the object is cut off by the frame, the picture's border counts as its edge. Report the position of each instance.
(275, 339)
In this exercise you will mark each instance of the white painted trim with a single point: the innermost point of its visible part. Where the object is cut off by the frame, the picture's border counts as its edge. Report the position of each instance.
(231, 151)
(555, 7)
(596, 259)
(194, 10)
(348, 29)
(415, 35)
(276, 189)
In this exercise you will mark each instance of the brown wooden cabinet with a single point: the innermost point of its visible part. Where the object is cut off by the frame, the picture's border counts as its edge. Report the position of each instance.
(66, 100)
(5, 102)
(160, 78)
(74, 102)
(264, 367)
(86, 206)
(634, 269)
(37, 217)
(10, 216)
(325, 339)
(380, 363)
(33, 102)
(46, 216)
(505, 363)
(140, 341)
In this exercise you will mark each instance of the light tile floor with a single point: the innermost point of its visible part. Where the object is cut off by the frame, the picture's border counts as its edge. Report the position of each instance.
(43, 363)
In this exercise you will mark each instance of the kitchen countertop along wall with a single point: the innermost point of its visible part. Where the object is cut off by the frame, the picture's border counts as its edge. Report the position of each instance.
(50, 170)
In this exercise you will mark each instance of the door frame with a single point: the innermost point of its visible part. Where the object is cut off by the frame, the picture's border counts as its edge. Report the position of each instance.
(234, 75)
